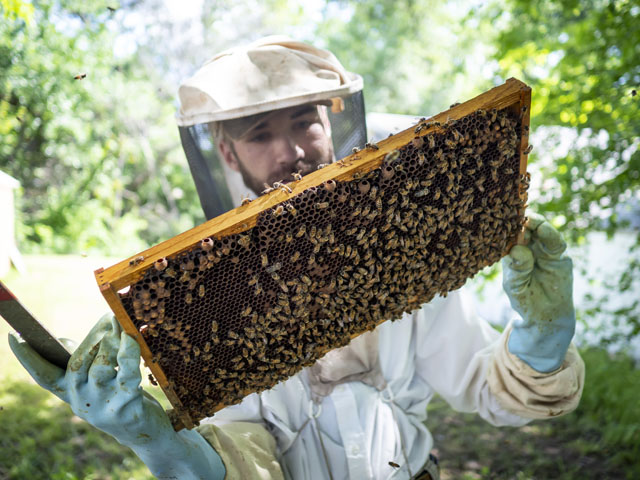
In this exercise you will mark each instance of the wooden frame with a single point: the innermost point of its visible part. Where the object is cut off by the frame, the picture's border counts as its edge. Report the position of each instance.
(513, 95)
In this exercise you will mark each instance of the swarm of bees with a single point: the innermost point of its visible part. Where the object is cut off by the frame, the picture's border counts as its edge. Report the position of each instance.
(238, 314)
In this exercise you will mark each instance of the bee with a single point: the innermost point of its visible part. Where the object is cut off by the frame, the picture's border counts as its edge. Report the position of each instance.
(356, 212)
(343, 163)
(294, 258)
(258, 290)
(379, 203)
(201, 291)
(282, 186)
(371, 146)
(267, 189)
(297, 176)
(274, 268)
(292, 210)
(417, 142)
(245, 200)
(421, 158)
(322, 205)
(136, 261)
(322, 165)
(264, 259)
(188, 298)
(527, 150)
(279, 210)
(450, 143)
(392, 156)
(355, 150)
(80, 76)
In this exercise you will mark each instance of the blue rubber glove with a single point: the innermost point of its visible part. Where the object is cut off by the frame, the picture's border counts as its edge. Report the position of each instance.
(538, 279)
(113, 401)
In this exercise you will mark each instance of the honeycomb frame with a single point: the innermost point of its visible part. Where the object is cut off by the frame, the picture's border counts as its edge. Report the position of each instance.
(338, 282)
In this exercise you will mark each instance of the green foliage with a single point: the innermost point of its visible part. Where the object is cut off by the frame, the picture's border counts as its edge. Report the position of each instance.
(581, 59)
(610, 404)
(81, 146)
(600, 439)
(416, 56)
(14, 9)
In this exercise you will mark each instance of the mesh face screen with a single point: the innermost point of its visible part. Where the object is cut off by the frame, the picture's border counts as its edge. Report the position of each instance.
(235, 315)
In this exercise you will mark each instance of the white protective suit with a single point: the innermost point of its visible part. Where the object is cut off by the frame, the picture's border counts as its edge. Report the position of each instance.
(364, 405)
(376, 414)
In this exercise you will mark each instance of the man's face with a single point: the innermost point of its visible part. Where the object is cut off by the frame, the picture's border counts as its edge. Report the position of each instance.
(295, 139)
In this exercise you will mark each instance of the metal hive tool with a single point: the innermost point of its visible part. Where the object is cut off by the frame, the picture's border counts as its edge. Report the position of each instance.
(249, 298)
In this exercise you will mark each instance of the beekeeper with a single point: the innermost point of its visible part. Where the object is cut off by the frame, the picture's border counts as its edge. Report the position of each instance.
(258, 114)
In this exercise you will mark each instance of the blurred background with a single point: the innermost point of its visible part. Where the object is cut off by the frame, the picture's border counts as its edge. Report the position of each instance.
(92, 171)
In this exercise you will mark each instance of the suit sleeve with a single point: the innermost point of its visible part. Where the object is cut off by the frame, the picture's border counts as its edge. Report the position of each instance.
(462, 358)
(241, 438)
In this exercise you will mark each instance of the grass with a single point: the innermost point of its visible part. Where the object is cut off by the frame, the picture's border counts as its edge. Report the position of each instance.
(41, 439)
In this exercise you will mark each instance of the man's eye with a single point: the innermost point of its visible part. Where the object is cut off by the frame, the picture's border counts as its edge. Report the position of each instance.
(261, 137)
(303, 124)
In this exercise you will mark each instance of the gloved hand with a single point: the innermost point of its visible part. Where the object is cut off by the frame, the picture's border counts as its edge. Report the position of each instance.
(538, 279)
(113, 401)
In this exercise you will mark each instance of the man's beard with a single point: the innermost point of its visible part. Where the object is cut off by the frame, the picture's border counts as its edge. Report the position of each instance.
(284, 176)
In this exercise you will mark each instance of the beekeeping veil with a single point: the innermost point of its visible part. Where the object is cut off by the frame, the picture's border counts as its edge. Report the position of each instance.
(241, 85)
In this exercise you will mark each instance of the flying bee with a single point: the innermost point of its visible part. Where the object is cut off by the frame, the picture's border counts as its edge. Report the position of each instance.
(80, 76)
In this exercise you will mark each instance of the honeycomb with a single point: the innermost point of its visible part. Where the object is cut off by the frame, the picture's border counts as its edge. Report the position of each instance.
(237, 314)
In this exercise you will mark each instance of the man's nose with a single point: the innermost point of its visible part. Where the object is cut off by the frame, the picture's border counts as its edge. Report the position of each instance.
(288, 151)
